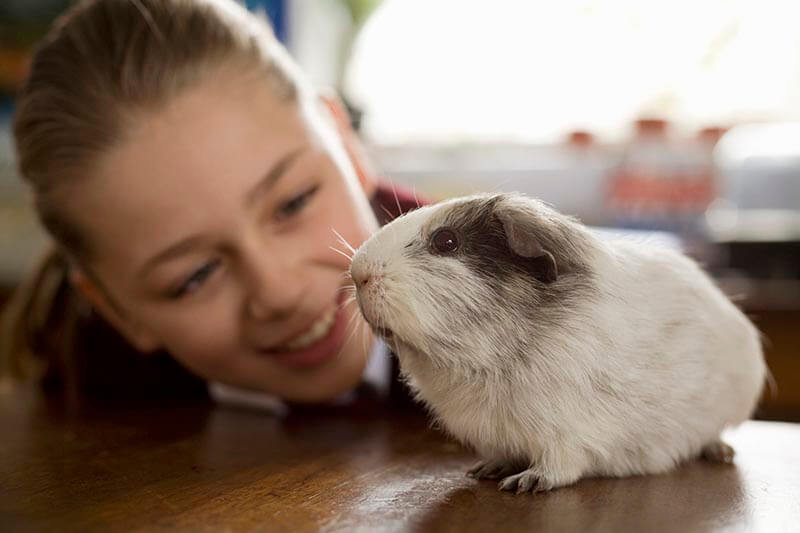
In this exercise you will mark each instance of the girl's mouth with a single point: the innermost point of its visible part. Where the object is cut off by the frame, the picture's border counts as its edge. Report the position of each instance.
(321, 343)
(318, 330)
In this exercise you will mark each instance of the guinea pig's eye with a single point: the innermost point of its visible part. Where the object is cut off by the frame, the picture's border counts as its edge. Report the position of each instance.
(444, 241)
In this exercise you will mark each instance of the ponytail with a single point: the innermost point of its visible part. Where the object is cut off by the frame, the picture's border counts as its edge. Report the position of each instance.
(39, 325)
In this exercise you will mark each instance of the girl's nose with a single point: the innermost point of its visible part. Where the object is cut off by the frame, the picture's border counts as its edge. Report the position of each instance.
(273, 289)
(257, 309)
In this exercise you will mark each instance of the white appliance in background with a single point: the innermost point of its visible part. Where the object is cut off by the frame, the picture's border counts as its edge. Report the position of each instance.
(759, 186)
(755, 224)
(571, 178)
(760, 166)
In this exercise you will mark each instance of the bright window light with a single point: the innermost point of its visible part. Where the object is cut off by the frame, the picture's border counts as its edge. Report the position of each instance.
(530, 71)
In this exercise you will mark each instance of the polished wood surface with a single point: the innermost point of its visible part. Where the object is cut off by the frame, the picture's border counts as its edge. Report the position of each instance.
(364, 467)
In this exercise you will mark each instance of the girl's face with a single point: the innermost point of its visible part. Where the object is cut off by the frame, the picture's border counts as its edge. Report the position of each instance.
(212, 225)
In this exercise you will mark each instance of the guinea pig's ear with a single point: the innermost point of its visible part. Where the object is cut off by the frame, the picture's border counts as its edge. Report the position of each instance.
(520, 229)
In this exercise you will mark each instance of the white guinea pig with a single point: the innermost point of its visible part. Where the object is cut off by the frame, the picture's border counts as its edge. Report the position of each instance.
(555, 354)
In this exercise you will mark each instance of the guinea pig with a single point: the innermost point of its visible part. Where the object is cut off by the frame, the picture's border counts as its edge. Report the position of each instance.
(555, 354)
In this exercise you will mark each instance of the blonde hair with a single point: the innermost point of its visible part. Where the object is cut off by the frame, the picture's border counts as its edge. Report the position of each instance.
(102, 64)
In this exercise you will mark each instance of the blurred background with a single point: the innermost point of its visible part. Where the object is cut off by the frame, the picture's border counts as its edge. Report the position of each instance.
(677, 121)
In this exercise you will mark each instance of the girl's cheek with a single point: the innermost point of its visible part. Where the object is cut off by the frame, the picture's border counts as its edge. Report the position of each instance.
(210, 358)
(205, 336)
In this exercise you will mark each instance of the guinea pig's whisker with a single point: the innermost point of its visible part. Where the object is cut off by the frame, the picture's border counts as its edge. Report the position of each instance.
(350, 286)
(354, 319)
(344, 241)
(360, 324)
(338, 251)
(351, 295)
(388, 213)
(350, 299)
(352, 326)
(347, 340)
(382, 317)
(354, 316)
(397, 201)
(345, 287)
(414, 191)
(362, 331)
(503, 183)
(367, 335)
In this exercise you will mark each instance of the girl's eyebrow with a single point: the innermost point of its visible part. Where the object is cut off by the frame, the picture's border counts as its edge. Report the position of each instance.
(274, 174)
(263, 185)
(174, 250)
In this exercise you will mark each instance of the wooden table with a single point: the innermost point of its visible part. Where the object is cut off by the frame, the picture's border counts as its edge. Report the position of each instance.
(360, 468)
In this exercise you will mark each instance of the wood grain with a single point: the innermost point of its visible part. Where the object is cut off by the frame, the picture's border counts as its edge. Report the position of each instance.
(366, 467)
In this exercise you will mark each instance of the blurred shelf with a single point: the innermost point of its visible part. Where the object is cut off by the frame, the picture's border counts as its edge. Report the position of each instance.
(762, 294)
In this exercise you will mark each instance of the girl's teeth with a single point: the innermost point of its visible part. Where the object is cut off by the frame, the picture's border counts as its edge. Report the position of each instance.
(317, 331)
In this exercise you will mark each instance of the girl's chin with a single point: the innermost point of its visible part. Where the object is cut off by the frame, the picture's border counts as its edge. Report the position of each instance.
(341, 376)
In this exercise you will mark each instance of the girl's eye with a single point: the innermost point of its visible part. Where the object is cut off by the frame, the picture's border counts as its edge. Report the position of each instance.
(195, 280)
(296, 204)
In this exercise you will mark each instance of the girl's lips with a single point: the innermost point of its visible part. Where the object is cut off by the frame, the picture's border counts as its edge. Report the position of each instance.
(321, 350)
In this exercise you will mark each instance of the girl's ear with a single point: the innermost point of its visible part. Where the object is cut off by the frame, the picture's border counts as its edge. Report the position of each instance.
(135, 334)
(352, 144)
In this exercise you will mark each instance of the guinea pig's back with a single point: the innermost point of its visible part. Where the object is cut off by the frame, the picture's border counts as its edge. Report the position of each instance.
(692, 357)
(728, 342)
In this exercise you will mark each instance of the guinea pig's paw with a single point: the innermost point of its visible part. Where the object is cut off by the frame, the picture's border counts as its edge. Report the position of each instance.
(717, 452)
(526, 481)
(494, 469)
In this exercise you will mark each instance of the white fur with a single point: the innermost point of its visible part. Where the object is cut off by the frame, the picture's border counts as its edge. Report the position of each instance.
(641, 376)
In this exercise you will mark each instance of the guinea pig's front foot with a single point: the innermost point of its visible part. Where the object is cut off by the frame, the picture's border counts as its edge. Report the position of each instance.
(717, 452)
(542, 476)
(514, 475)
(526, 481)
(494, 469)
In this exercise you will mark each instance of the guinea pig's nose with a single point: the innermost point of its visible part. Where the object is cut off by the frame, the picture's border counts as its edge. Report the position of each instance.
(361, 280)
(363, 273)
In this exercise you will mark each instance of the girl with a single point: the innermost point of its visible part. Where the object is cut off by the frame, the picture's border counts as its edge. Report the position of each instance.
(195, 187)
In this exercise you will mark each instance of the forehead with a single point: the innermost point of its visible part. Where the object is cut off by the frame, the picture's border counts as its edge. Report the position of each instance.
(181, 166)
